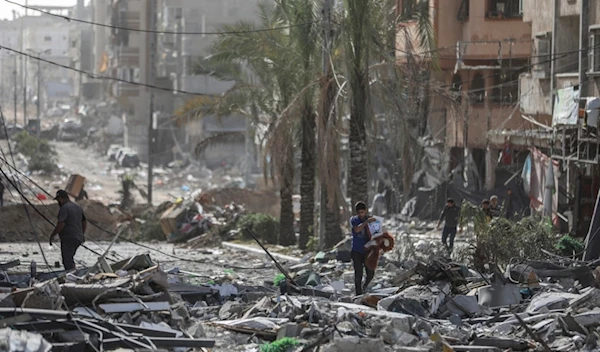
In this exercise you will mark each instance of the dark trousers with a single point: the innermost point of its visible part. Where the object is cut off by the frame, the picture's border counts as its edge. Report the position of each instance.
(68, 247)
(358, 261)
(448, 232)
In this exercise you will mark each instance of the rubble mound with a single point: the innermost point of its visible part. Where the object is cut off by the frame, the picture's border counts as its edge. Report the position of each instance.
(16, 227)
(254, 201)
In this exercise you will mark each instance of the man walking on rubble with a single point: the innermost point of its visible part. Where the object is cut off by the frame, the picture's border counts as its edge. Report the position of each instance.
(70, 227)
(494, 207)
(360, 236)
(450, 215)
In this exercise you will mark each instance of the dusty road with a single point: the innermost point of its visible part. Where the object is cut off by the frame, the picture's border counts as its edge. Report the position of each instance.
(102, 176)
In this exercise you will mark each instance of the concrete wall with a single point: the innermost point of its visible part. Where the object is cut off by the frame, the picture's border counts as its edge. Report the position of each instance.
(480, 28)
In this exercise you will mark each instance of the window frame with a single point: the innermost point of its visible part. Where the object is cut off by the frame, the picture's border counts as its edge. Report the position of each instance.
(495, 14)
(594, 50)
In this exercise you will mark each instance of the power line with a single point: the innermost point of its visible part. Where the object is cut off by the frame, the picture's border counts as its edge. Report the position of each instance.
(95, 76)
(71, 19)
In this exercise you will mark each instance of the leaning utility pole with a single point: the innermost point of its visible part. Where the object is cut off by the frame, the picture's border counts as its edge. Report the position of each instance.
(327, 6)
(151, 122)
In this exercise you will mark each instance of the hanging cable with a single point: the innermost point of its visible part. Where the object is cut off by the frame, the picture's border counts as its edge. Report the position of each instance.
(71, 19)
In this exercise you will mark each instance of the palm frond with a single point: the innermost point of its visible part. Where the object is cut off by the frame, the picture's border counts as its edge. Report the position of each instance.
(218, 139)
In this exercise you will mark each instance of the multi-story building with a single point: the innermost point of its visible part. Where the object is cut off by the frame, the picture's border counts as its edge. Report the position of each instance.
(563, 81)
(127, 55)
(180, 53)
(482, 47)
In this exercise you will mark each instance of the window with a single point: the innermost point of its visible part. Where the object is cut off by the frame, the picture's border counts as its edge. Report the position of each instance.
(594, 50)
(506, 87)
(504, 9)
(543, 55)
(463, 11)
(478, 89)
(47, 38)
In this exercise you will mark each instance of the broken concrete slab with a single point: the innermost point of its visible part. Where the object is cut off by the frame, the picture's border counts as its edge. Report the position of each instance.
(289, 330)
(502, 343)
(463, 305)
(550, 300)
(110, 308)
(429, 298)
(354, 343)
(497, 296)
(16, 341)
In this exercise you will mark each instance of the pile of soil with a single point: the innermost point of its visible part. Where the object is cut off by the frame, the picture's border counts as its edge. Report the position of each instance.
(254, 201)
(17, 228)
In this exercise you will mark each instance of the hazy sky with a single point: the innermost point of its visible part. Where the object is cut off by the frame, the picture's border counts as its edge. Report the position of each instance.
(6, 8)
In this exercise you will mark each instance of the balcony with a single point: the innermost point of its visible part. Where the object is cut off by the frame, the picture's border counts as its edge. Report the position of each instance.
(127, 19)
(128, 56)
(121, 89)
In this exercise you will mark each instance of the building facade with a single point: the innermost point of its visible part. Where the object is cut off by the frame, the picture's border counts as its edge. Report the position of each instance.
(566, 59)
(482, 48)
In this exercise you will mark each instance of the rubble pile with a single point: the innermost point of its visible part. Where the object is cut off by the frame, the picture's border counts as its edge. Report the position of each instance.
(410, 306)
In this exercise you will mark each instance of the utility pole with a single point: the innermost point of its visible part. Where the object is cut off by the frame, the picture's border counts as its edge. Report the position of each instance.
(15, 89)
(327, 6)
(24, 67)
(152, 122)
(39, 97)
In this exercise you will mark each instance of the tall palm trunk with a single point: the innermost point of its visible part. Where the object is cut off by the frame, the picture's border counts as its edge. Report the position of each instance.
(358, 51)
(330, 165)
(358, 175)
(307, 183)
(287, 235)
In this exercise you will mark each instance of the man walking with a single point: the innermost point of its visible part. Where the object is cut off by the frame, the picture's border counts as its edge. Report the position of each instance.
(360, 236)
(450, 215)
(494, 207)
(71, 228)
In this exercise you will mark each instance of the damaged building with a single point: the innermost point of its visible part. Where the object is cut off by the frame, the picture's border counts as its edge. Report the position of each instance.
(515, 94)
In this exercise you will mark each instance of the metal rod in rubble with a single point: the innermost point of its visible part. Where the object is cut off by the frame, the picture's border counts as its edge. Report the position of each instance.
(283, 271)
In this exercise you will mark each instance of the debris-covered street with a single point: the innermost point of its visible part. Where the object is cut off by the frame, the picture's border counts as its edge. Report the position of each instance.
(299, 175)
(237, 300)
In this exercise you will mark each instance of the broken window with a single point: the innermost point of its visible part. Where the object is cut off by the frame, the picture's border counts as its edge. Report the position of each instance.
(543, 55)
(504, 9)
(506, 87)
(594, 50)
(478, 89)
(463, 11)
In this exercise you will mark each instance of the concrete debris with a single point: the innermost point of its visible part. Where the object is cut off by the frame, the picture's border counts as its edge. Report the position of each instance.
(410, 306)
(22, 341)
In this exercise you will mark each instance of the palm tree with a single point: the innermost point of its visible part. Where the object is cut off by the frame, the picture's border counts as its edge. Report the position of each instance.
(276, 87)
(370, 38)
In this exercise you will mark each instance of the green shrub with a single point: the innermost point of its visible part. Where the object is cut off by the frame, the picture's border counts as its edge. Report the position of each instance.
(567, 246)
(501, 240)
(265, 226)
(281, 345)
(41, 155)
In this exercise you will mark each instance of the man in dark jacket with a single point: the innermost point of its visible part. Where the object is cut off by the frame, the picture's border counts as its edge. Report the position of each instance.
(70, 227)
(450, 215)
